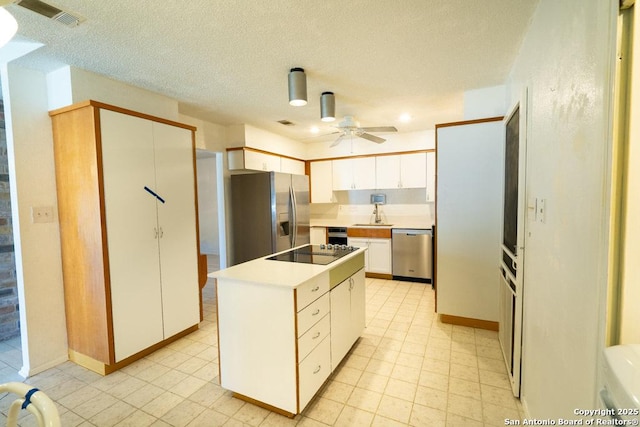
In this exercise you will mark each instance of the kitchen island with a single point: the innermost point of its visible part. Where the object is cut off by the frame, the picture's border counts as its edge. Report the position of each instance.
(284, 326)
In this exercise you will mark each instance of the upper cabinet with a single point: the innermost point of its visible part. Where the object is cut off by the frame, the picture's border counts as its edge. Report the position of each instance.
(356, 173)
(248, 159)
(401, 171)
(321, 182)
(383, 172)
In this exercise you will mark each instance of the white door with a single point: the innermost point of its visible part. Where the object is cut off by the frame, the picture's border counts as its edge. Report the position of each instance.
(321, 181)
(413, 170)
(177, 227)
(130, 208)
(342, 174)
(364, 173)
(341, 334)
(387, 172)
(379, 256)
(361, 243)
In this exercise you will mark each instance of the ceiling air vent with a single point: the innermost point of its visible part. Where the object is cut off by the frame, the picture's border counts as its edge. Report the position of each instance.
(51, 12)
(286, 123)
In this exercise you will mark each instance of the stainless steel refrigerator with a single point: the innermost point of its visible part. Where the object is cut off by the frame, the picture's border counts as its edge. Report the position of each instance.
(269, 213)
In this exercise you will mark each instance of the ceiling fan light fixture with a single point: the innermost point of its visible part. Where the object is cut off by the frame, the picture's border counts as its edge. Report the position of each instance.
(297, 87)
(327, 107)
(8, 26)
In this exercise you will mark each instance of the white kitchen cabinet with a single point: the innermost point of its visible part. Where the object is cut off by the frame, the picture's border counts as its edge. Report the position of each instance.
(276, 333)
(347, 315)
(356, 173)
(127, 209)
(401, 171)
(321, 181)
(261, 161)
(294, 166)
(470, 180)
(377, 258)
(251, 159)
(318, 235)
(431, 176)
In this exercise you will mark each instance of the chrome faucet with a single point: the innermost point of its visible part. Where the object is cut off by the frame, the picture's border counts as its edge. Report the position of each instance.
(376, 212)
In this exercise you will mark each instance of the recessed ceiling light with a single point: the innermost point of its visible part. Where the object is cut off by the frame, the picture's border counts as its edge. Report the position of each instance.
(405, 117)
(314, 129)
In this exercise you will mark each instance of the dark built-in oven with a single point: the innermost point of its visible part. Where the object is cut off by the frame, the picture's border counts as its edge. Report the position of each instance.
(337, 235)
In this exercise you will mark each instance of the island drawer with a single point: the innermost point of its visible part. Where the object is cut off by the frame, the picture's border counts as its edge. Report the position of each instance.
(313, 313)
(314, 336)
(311, 290)
(313, 371)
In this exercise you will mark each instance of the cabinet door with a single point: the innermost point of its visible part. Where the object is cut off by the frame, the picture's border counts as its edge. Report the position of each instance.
(364, 173)
(358, 303)
(261, 161)
(342, 173)
(361, 243)
(387, 172)
(341, 334)
(321, 182)
(379, 256)
(318, 235)
(177, 227)
(293, 166)
(413, 170)
(128, 167)
(431, 176)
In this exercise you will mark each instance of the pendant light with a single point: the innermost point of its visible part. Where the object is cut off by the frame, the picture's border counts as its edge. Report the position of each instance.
(297, 87)
(8, 26)
(327, 107)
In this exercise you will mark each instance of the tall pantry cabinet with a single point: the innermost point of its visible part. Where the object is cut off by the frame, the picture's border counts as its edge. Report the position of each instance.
(128, 226)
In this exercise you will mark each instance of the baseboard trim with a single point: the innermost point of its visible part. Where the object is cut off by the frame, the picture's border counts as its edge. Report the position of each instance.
(263, 405)
(379, 275)
(467, 321)
(105, 369)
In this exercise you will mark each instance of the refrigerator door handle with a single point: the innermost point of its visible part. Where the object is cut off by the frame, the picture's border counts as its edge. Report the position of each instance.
(294, 220)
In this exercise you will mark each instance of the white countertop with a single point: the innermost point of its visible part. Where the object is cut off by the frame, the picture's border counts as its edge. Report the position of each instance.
(277, 273)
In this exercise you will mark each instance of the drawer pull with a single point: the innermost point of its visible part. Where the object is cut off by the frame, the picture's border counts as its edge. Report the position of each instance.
(316, 335)
(315, 289)
(317, 369)
(315, 313)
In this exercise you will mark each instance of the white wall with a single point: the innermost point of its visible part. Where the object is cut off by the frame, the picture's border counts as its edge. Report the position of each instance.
(566, 61)
(208, 205)
(485, 102)
(32, 180)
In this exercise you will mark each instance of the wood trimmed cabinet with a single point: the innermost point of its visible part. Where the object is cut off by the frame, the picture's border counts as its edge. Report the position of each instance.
(128, 229)
(278, 343)
(377, 240)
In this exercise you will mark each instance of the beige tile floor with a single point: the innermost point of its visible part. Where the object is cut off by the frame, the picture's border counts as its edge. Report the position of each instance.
(407, 369)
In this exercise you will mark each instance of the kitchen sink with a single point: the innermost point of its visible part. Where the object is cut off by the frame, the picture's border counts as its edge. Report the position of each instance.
(372, 225)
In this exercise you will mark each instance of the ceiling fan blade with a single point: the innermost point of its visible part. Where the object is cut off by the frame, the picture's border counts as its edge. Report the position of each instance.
(337, 141)
(380, 129)
(370, 137)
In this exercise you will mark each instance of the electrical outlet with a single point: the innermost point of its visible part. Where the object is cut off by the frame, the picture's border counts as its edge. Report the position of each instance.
(40, 214)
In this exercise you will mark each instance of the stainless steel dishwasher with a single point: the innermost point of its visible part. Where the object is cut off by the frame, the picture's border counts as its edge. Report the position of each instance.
(411, 253)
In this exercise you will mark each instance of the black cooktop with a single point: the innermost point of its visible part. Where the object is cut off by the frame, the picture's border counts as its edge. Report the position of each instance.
(314, 254)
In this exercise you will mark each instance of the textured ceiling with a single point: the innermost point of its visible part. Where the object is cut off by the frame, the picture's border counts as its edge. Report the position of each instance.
(226, 61)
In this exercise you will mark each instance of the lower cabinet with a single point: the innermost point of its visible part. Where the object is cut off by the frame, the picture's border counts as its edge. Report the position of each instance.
(277, 361)
(347, 315)
(378, 256)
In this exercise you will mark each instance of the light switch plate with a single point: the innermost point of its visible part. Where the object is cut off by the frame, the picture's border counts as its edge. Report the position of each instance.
(40, 214)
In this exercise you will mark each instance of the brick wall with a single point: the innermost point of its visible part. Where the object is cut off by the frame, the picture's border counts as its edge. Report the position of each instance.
(9, 315)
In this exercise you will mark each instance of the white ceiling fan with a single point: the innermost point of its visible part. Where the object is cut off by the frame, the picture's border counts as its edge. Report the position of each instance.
(349, 127)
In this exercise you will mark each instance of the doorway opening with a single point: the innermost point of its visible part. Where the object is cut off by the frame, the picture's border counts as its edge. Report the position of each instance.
(211, 211)
(10, 341)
